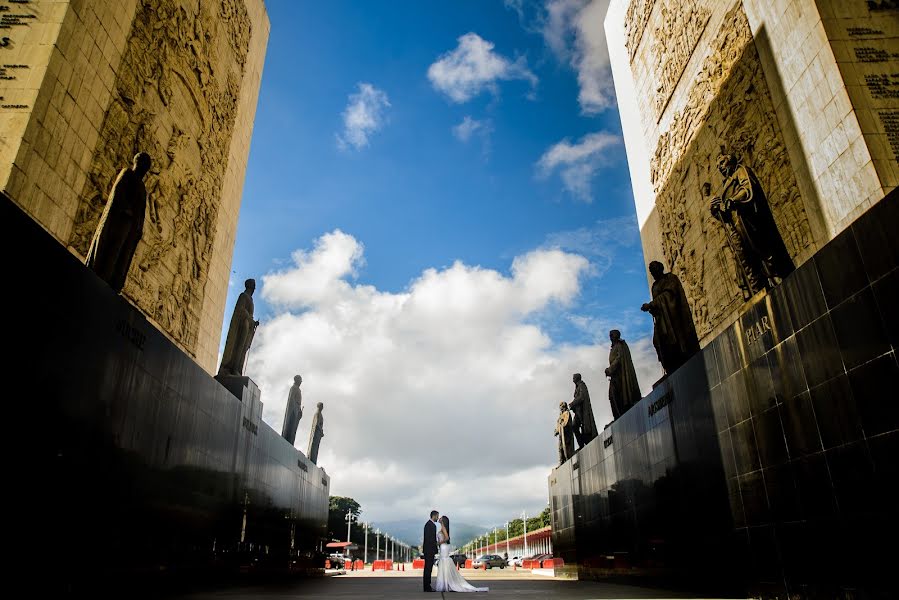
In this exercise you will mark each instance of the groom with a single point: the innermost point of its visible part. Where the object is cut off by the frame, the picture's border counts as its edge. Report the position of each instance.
(429, 548)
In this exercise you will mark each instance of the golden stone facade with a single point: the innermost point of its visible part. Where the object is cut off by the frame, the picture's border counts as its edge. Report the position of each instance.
(774, 83)
(175, 78)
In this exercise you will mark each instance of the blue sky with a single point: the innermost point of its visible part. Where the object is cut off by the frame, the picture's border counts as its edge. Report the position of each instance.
(405, 149)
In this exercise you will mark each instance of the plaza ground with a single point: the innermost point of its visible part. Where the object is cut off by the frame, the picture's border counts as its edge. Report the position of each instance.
(397, 584)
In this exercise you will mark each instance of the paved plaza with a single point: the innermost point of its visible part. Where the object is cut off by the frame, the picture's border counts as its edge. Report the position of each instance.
(378, 585)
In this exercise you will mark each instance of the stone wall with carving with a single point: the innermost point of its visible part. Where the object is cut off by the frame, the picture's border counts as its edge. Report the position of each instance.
(729, 108)
(175, 97)
(178, 79)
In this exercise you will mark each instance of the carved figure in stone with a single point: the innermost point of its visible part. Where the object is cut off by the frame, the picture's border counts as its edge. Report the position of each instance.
(624, 391)
(584, 425)
(674, 334)
(751, 232)
(316, 434)
(240, 332)
(294, 411)
(121, 224)
(565, 433)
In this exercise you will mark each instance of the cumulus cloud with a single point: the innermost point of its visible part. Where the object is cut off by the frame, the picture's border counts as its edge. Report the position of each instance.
(441, 395)
(363, 116)
(578, 162)
(469, 128)
(473, 67)
(573, 30)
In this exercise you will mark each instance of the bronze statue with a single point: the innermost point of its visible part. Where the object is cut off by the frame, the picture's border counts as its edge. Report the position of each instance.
(565, 431)
(240, 332)
(294, 411)
(316, 434)
(674, 334)
(749, 227)
(584, 425)
(121, 224)
(624, 391)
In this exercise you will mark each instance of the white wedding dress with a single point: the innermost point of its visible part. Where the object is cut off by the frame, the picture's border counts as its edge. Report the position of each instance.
(448, 578)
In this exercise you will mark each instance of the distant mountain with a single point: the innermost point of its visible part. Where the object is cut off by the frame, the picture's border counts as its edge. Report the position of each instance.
(410, 530)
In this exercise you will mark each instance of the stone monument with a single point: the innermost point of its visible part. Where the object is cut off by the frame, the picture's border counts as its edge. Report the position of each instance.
(750, 230)
(584, 425)
(674, 335)
(240, 332)
(86, 85)
(294, 411)
(565, 433)
(316, 434)
(624, 390)
(121, 224)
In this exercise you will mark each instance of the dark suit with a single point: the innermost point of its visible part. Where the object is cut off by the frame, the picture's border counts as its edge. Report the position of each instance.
(429, 549)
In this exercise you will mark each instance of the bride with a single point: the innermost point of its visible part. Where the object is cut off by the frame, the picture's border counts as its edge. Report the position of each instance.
(448, 578)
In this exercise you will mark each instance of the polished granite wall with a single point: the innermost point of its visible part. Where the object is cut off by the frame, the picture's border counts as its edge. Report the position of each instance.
(123, 454)
(769, 460)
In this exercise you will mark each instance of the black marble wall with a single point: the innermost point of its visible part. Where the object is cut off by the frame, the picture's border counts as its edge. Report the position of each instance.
(122, 454)
(769, 460)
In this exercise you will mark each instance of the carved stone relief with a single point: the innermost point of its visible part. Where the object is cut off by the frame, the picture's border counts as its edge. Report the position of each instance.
(673, 42)
(638, 12)
(176, 96)
(729, 108)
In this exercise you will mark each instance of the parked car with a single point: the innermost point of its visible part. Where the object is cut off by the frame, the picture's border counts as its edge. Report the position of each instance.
(515, 561)
(338, 561)
(459, 559)
(490, 561)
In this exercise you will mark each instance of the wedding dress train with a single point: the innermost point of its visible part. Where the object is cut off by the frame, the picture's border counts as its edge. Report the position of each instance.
(448, 578)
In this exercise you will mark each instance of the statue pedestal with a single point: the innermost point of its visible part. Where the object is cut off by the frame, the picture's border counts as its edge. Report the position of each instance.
(242, 387)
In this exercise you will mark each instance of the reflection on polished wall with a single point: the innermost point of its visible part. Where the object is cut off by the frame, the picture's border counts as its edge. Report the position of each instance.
(133, 458)
(769, 459)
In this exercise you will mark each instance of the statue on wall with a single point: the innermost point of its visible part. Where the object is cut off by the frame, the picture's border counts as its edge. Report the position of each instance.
(240, 332)
(750, 230)
(294, 411)
(121, 224)
(316, 434)
(624, 391)
(584, 425)
(565, 433)
(674, 334)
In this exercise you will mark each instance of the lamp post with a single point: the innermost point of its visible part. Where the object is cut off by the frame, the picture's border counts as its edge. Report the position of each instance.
(524, 520)
(377, 543)
(365, 558)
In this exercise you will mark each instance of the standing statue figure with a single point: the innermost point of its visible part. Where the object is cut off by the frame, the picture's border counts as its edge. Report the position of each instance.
(121, 224)
(565, 433)
(749, 228)
(294, 411)
(240, 332)
(584, 426)
(624, 391)
(674, 334)
(316, 434)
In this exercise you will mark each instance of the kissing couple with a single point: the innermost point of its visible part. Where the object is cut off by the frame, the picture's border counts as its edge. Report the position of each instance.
(437, 534)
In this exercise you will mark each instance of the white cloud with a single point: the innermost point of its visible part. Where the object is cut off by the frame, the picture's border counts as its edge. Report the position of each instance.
(363, 116)
(433, 392)
(469, 128)
(464, 130)
(573, 31)
(577, 162)
(473, 67)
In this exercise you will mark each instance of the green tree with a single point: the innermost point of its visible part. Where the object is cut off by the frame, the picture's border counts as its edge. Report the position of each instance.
(337, 509)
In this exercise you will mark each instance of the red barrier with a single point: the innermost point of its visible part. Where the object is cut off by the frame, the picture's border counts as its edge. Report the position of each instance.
(379, 565)
(358, 565)
(467, 563)
(552, 563)
(418, 563)
(388, 565)
(327, 564)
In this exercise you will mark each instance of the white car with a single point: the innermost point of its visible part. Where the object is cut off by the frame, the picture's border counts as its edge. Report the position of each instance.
(515, 561)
